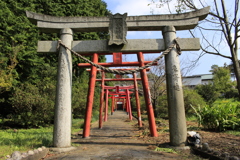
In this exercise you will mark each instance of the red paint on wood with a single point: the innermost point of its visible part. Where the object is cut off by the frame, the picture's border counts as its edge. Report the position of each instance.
(137, 101)
(91, 87)
(147, 97)
(117, 58)
(106, 106)
(114, 65)
(101, 101)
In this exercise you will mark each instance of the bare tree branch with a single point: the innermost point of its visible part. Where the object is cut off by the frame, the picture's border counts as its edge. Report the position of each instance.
(217, 54)
(169, 7)
(206, 51)
(217, 22)
(209, 29)
(222, 24)
(226, 25)
(219, 17)
(235, 39)
(190, 4)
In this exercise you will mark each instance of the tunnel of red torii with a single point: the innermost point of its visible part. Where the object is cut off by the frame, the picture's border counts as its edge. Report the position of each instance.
(117, 62)
(117, 25)
(118, 94)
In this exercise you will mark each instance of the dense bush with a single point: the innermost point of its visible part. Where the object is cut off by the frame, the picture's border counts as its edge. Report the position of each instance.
(231, 93)
(32, 107)
(162, 108)
(219, 116)
(191, 97)
(208, 92)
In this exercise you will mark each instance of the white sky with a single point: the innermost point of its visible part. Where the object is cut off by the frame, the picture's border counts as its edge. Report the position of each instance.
(140, 7)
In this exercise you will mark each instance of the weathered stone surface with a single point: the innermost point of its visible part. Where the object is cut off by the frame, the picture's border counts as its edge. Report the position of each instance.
(205, 147)
(176, 110)
(16, 155)
(135, 23)
(133, 45)
(117, 29)
(38, 155)
(63, 108)
(24, 155)
(30, 152)
(35, 151)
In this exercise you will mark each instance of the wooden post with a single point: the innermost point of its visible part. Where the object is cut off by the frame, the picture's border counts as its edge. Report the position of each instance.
(147, 96)
(101, 101)
(91, 88)
(137, 100)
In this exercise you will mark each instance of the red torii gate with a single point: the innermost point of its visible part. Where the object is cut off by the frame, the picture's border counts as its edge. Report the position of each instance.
(117, 62)
(117, 88)
(136, 93)
(118, 92)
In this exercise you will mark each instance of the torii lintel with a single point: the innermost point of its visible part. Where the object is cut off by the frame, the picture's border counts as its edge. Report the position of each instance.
(182, 21)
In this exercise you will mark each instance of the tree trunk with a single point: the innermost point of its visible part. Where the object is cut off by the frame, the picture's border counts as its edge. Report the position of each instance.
(236, 70)
(154, 107)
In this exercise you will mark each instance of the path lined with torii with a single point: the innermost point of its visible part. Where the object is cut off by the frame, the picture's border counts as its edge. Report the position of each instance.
(117, 140)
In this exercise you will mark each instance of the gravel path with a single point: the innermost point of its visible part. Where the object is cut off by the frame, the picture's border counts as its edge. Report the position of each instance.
(117, 140)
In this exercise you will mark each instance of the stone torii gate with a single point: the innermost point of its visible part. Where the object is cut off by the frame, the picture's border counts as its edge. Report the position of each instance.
(117, 26)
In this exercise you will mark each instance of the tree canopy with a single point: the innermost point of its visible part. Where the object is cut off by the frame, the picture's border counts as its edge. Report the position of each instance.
(23, 70)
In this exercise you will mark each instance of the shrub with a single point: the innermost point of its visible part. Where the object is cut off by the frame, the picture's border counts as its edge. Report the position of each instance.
(191, 97)
(208, 92)
(33, 105)
(231, 93)
(219, 117)
(162, 108)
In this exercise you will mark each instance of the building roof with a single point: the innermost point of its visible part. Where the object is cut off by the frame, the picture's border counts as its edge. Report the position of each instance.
(196, 79)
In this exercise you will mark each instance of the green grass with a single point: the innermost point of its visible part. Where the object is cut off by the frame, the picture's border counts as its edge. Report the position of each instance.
(23, 140)
(236, 133)
(77, 125)
(168, 150)
(192, 118)
(27, 139)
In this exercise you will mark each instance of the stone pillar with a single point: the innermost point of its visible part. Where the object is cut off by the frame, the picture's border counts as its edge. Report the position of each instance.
(176, 110)
(62, 119)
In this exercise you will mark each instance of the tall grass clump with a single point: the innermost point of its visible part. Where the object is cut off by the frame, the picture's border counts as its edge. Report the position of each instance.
(219, 116)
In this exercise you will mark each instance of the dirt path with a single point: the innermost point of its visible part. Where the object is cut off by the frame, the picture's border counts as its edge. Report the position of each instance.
(116, 141)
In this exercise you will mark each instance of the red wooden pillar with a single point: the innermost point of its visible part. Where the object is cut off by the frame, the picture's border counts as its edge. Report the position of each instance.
(126, 104)
(113, 104)
(137, 100)
(106, 106)
(101, 101)
(129, 104)
(91, 88)
(147, 96)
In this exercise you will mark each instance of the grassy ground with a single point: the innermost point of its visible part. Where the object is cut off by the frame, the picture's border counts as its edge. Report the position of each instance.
(26, 139)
